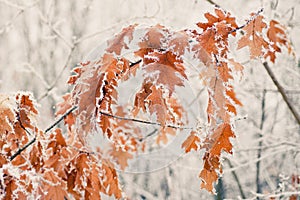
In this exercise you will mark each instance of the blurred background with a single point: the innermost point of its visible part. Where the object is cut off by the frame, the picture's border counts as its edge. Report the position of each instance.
(41, 41)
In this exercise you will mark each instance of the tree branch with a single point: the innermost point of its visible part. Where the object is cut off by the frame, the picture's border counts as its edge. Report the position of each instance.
(237, 180)
(213, 3)
(47, 130)
(282, 92)
(22, 149)
(259, 151)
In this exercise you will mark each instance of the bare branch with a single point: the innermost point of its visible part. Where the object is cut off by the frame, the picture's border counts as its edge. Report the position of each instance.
(282, 92)
(237, 180)
(213, 3)
(260, 143)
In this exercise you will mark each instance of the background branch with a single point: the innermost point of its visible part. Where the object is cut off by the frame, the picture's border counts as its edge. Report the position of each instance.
(282, 92)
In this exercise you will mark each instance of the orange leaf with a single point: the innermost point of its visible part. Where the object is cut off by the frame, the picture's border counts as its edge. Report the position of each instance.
(237, 66)
(111, 181)
(191, 142)
(121, 157)
(63, 107)
(222, 16)
(208, 178)
(116, 44)
(53, 187)
(218, 142)
(277, 36)
(253, 37)
(7, 116)
(163, 137)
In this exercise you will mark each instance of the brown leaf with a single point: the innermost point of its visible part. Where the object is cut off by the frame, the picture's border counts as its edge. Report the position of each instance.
(178, 42)
(209, 177)
(238, 67)
(222, 16)
(121, 157)
(218, 142)
(63, 107)
(277, 36)
(110, 181)
(167, 66)
(7, 116)
(35, 156)
(77, 70)
(162, 135)
(152, 39)
(253, 37)
(116, 44)
(53, 187)
(191, 142)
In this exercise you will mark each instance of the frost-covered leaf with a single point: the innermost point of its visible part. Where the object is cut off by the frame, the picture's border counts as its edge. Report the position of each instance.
(253, 37)
(192, 142)
(277, 35)
(121, 157)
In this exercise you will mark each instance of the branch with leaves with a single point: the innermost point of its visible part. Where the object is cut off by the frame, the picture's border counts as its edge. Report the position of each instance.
(61, 161)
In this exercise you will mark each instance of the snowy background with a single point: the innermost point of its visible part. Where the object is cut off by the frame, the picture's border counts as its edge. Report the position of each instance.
(41, 41)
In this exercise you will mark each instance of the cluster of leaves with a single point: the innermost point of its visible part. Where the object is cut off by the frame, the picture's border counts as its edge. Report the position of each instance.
(52, 165)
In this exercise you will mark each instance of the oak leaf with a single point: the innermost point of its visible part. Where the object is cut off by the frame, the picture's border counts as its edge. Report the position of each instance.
(53, 187)
(163, 134)
(218, 142)
(121, 157)
(7, 115)
(222, 16)
(277, 35)
(192, 142)
(63, 107)
(116, 44)
(253, 37)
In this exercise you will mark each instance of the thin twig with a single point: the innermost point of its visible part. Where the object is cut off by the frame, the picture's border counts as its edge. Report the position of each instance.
(213, 3)
(279, 195)
(135, 63)
(60, 119)
(22, 126)
(21, 10)
(145, 122)
(247, 22)
(286, 149)
(282, 92)
(22, 149)
(148, 135)
(2, 29)
(290, 91)
(59, 75)
(47, 130)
